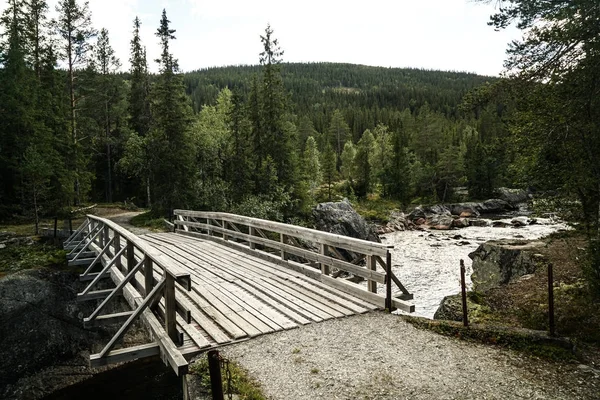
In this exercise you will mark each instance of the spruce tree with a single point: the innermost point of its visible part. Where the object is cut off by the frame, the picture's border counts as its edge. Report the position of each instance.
(363, 164)
(339, 132)
(329, 169)
(170, 143)
(312, 165)
(74, 28)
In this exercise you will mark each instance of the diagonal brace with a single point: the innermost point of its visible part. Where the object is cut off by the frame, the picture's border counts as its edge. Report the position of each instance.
(138, 311)
(104, 270)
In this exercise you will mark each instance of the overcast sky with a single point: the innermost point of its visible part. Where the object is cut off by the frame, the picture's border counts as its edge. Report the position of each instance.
(431, 34)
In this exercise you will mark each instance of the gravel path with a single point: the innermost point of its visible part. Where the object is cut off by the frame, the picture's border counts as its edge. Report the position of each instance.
(124, 220)
(379, 356)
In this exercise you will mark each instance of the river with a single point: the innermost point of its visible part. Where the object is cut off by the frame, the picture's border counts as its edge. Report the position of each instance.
(428, 262)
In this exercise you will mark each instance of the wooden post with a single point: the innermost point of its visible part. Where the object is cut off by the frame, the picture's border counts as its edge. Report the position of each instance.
(372, 265)
(463, 287)
(148, 276)
(388, 282)
(106, 235)
(252, 232)
(282, 240)
(130, 256)
(224, 227)
(214, 369)
(325, 270)
(551, 300)
(117, 246)
(170, 308)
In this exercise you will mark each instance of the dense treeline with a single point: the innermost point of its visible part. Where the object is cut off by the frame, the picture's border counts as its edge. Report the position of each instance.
(266, 140)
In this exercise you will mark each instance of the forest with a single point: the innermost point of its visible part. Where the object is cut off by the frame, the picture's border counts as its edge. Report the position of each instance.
(267, 140)
(272, 139)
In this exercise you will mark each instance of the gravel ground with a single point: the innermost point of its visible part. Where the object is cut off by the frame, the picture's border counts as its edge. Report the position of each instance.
(124, 220)
(379, 356)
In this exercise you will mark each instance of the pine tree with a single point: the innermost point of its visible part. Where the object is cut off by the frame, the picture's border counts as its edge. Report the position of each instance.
(108, 92)
(312, 165)
(347, 167)
(170, 141)
(74, 28)
(363, 164)
(240, 166)
(339, 132)
(329, 169)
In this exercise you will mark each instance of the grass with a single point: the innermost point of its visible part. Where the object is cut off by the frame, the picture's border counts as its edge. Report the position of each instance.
(148, 220)
(242, 384)
(15, 258)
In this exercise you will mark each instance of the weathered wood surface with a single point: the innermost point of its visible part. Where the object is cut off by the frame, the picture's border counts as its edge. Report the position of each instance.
(236, 296)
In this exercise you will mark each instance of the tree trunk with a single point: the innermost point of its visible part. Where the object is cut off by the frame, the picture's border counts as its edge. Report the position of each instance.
(108, 153)
(148, 203)
(73, 125)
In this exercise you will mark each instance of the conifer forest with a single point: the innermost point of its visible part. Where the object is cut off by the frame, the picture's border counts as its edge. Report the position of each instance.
(271, 140)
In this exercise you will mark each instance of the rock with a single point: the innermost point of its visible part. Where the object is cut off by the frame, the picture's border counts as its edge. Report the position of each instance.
(340, 218)
(397, 222)
(479, 222)
(498, 262)
(519, 221)
(40, 322)
(465, 209)
(441, 227)
(495, 205)
(500, 224)
(420, 221)
(513, 196)
(2, 246)
(451, 309)
(460, 223)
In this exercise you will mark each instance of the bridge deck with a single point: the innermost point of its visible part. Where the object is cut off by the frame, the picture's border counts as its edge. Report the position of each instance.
(236, 296)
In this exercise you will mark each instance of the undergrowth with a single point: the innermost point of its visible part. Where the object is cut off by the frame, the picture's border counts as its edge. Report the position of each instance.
(242, 384)
(14, 258)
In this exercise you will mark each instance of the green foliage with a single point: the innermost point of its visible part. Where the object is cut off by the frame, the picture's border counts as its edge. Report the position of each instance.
(241, 383)
(14, 258)
(149, 220)
(311, 164)
(328, 161)
(591, 266)
(364, 162)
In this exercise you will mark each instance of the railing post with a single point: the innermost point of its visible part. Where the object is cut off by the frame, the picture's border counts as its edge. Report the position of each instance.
(371, 265)
(130, 256)
(550, 300)
(148, 276)
(463, 291)
(223, 225)
(282, 240)
(252, 232)
(117, 246)
(324, 267)
(388, 282)
(214, 369)
(170, 308)
(106, 235)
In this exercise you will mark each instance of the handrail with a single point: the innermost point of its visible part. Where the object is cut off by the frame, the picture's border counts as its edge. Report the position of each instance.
(182, 276)
(249, 234)
(332, 239)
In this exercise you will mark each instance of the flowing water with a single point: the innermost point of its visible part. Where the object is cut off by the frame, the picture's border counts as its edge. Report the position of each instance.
(428, 262)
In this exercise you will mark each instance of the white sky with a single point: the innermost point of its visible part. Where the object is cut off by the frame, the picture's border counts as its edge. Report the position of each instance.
(432, 34)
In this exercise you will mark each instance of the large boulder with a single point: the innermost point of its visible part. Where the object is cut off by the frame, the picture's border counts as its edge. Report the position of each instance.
(513, 196)
(340, 218)
(499, 262)
(40, 323)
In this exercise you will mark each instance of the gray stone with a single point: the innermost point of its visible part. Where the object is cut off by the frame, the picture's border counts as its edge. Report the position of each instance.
(340, 218)
(498, 262)
(479, 222)
(513, 196)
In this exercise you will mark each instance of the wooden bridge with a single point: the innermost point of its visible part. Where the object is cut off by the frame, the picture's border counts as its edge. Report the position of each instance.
(222, 278)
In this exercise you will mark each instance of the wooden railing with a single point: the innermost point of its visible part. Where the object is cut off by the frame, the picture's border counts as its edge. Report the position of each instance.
(312, 252)
(143, 276)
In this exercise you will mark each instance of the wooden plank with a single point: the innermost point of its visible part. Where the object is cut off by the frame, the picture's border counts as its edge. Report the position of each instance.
(320, 305)
(241, 315)
(262, 317)
(101, 320)
(331, 239)
(312, 279)
(91, 276)
(85, 254)
(274, 291)
(81, 262)
(208, 324)
(94, 295)
(325, 269)
(125, 355)
(307, 254)
(193, 333)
